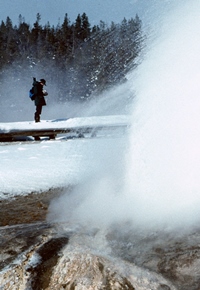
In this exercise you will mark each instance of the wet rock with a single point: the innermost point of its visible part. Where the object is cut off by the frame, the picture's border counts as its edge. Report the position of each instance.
(54, 264)
(37, 255)
(48, 255)
(84, 270)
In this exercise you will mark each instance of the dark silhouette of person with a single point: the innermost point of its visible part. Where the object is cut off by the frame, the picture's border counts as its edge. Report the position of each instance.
(39, 97)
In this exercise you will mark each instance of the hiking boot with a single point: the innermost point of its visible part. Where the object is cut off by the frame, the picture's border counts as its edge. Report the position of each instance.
(37, 118)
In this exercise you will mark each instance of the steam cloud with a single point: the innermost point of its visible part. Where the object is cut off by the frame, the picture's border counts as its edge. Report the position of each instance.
(163, 169)
(152, 179)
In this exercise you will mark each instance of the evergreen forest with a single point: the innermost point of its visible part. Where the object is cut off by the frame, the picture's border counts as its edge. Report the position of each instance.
(82, 60)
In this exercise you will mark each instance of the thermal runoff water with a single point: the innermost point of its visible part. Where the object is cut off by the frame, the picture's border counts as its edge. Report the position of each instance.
(154, 181)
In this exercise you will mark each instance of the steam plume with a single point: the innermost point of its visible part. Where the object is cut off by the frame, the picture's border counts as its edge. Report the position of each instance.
(154, 183)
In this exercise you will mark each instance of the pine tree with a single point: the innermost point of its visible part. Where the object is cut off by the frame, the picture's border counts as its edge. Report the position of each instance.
(85, 27)
(23, 35)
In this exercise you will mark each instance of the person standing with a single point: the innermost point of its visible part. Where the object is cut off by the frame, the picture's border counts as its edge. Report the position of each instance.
(39, 97)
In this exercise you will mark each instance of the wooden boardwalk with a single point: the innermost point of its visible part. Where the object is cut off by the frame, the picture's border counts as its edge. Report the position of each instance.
(51, 130)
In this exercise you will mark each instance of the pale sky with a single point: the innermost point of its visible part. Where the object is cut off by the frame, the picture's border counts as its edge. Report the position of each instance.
(96, 10)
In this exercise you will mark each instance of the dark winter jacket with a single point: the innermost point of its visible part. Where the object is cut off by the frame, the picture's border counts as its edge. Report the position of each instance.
(39, 95)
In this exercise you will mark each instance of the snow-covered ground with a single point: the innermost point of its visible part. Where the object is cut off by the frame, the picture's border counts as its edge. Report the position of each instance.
(38, 166)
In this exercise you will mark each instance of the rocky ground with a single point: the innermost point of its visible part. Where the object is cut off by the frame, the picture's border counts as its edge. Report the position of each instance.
(38, 255)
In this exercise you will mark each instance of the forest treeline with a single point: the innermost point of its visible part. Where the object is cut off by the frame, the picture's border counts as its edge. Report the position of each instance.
(81, 59)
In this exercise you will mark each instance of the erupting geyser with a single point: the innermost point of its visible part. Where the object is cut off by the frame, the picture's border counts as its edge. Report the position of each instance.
(154, 179)
(163, 168)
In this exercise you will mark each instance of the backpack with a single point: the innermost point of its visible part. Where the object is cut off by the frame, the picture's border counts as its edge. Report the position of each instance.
(33, 90)
(31, 94)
